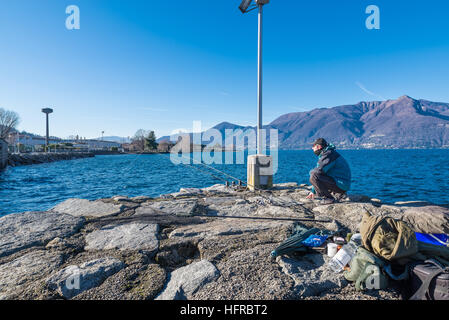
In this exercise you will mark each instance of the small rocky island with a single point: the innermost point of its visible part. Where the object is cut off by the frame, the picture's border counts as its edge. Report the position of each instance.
(187, 245)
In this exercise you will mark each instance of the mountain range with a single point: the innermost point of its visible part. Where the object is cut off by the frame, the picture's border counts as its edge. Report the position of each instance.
(401, 123)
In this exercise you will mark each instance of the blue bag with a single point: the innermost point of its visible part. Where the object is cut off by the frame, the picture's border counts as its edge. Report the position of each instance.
(437, 239)
(314, 240)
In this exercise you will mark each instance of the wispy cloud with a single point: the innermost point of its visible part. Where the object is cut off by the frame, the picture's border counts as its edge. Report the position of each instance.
(180, 131)
(361, 86)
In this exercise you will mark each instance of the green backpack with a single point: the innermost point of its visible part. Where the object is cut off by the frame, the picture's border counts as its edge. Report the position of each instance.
(367, 271)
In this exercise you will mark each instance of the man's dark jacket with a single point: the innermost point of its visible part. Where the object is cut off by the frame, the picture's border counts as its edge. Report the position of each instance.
(331, 163)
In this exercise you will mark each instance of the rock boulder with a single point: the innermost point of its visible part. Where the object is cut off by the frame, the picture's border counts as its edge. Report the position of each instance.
(24, 230)
(15, 276)
(130, 236)
(86, 208)
(187, 280)
(73, 280)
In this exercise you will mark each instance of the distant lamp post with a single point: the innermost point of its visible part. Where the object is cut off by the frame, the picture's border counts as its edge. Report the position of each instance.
(47, 111)
(260, 169)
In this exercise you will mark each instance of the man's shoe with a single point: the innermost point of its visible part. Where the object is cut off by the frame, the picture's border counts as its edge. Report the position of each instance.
(327, 201)
(339, 196)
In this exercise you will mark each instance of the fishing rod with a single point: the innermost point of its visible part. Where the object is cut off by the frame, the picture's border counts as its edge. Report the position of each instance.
(164, 215)
(263, 218)
(260, 191)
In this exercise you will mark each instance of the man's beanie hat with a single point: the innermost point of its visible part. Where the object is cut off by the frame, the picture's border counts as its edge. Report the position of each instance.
(321, 142)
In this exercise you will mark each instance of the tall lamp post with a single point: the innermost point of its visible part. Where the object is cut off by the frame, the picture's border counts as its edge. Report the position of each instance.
(47, 111)
(246, 7)
(259, 166)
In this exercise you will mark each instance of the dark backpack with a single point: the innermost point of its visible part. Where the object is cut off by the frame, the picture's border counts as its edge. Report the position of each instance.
(429, 280)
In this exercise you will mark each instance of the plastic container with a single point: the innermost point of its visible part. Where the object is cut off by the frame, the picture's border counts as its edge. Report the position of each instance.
(357, 239)
(343, 257)
(339, 240)
(332, 249)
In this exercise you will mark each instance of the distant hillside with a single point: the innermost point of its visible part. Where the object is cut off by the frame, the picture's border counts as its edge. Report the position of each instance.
(401, 123)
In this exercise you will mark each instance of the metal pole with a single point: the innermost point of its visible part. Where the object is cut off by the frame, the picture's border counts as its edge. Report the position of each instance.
(47, 136)
(259, 84)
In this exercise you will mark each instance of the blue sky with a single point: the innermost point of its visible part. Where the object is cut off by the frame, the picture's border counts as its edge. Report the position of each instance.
(161, 65)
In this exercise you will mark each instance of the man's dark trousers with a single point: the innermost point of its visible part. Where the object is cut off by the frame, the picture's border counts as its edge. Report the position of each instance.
(324, 184)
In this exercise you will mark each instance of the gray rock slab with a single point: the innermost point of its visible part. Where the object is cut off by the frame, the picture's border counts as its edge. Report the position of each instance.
(285, 186)
(187, 280)
(348, 213)
(224, 227)
(219, 188)
(248, 274)
(73, 280)
(229, 206)
(24, 230)
(86, 208)
(219, 201)
(190, 191)
(428, 219)
(141, 198)
(121, 199)
(311, 274)
(280, 211)
(130, 236)
(15, 276)
(181, 207)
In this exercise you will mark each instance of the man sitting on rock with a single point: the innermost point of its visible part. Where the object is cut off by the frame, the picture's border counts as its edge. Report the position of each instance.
(331, 175)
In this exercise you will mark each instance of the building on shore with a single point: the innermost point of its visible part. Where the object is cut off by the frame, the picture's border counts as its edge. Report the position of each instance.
(99, 145)
(3, 154)
(19, 143)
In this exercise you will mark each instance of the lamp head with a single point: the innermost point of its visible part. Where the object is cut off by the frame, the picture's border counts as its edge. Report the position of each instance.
(245, 5)
(47, 110)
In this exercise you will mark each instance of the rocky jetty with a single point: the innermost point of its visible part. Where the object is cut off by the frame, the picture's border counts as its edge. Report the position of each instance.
(195, 244)
(22, 159)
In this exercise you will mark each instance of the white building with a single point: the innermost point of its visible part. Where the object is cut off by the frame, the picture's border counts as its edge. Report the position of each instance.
(28, 143)
(99, 145)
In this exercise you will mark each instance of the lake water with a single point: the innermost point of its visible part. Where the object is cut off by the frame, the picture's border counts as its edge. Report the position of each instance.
(389, 175)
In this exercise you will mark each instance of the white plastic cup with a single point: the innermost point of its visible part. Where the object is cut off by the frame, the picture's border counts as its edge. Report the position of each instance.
(331, 249)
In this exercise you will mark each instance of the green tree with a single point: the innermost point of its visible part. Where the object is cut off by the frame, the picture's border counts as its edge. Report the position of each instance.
(150, 141)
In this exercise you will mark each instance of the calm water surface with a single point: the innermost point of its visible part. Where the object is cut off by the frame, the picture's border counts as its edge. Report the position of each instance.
(390, 175)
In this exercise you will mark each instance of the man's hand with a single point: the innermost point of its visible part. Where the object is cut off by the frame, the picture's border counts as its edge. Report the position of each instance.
(311, 196)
